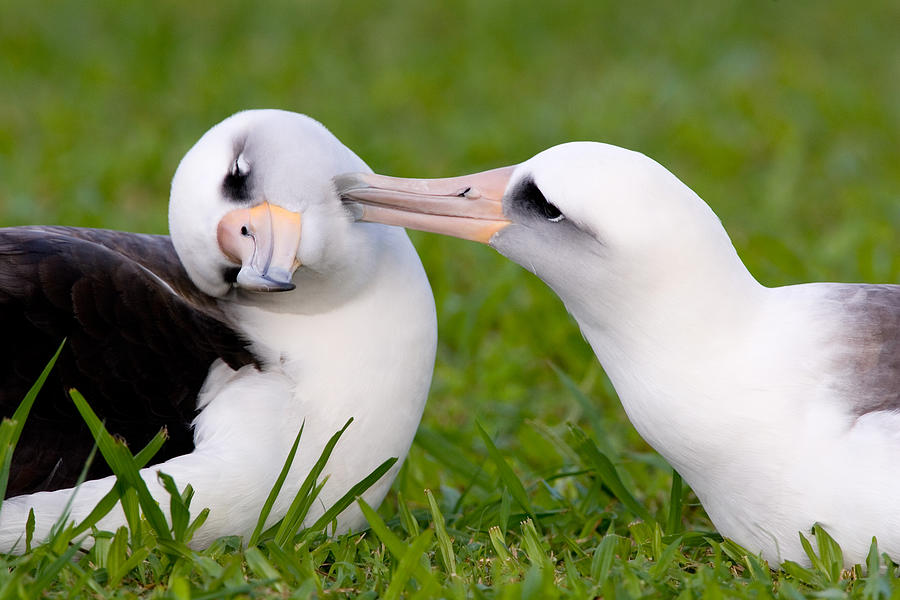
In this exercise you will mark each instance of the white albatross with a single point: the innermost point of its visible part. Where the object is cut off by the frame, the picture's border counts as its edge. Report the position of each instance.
(204, 345)
(779, 406)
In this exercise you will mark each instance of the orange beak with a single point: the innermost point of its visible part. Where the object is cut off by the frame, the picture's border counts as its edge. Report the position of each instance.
(264, 241)
(468, 207)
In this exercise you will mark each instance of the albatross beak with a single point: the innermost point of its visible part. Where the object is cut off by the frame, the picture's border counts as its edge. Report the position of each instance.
(264, 241)
(468, 207)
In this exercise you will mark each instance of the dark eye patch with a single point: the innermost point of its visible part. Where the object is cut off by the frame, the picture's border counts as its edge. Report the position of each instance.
(528, 198)
(236, 185)
(229, 274)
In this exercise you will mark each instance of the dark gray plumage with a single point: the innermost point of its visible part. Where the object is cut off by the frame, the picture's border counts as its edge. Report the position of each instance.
(140, 338)
(868, 348)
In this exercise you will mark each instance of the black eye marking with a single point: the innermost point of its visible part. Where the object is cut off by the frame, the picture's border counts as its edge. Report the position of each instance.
(230, 274)
(236, 186)
(527, 197)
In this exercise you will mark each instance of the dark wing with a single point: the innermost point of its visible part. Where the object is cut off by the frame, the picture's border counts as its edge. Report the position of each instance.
(869, 346)
(140, 341)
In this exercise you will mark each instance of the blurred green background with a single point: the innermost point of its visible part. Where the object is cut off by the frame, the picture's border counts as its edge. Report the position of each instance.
(784, 116)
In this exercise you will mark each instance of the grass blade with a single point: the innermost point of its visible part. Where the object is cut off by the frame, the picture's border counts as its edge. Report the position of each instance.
(25, 406)
(533, 548)
(588, 407)
(445, 452)
(352, 494)
(409, 563)
(499, 544)
(676, 499)
(108, 502)
(445, 545)
(293, 519)
(602, 561)
(394, 544)
(124, 466)
(50, 572)
(406, 517)
(11, 429)
(276, 489)
(509, 478)
(605, 469)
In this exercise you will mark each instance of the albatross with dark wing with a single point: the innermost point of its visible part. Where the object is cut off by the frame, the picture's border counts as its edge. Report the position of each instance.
(268, 307)
(779, 406)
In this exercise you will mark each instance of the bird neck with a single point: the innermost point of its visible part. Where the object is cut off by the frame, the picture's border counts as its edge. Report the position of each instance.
(669, 345)
(369, 357)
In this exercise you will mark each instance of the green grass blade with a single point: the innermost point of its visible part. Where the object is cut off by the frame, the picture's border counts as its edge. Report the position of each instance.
(605, 469)
(676, 499)
(11, 429)
(448, 455)
(147, 453)
(262, 567)
(108, 502)
(445, 545)
(667, 559)
(25, 406)
(123, 465)
(29, 530)
(406, 517)
(179, 507)
(604, 554)
(293, 519)
(196, 524)
(831, 557)
(276, 489)
(533, 548)
(509, 478)
(505, 509)
(394, 544)
(409, 563)
(49, 573)
(7, 432)
(499, 544)
(352, 494)
(588, 407)
(298, 514)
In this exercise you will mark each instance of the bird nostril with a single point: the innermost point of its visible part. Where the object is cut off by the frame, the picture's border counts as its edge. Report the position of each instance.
(469, 192)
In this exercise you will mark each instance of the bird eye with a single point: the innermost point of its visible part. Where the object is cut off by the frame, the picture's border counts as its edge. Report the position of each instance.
(240, 167)
(235, 185)
(528, 197)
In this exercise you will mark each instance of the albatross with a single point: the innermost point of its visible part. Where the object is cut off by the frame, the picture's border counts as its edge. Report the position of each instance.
(779, 406)
(268, 308)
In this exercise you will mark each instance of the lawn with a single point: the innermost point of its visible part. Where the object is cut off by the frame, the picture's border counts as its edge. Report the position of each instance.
(783, 116)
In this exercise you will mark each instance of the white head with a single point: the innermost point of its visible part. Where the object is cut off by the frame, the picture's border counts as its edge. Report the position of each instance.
(253, 206)
(598, 223)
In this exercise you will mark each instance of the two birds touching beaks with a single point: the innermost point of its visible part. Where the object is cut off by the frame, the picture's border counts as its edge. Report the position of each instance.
(780, 407)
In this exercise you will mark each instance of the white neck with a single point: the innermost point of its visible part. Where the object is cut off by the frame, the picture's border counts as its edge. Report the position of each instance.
(369, 358)
(666, 341)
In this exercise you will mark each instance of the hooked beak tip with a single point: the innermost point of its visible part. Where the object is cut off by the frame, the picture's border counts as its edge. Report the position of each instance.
(273, 281)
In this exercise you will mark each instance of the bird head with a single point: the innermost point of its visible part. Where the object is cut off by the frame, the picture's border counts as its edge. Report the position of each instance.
(596, 222)
(253, 208)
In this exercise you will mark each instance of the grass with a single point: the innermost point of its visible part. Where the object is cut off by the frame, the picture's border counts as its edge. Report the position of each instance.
(782, 115)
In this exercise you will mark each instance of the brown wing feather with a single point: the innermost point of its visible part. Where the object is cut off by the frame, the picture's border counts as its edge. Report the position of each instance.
(140, 340)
